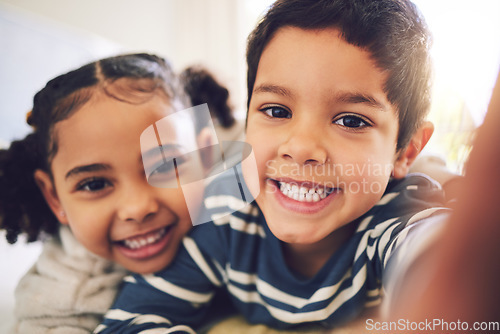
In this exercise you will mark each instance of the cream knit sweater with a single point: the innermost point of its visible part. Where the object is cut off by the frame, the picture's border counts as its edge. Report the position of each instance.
(67, 290)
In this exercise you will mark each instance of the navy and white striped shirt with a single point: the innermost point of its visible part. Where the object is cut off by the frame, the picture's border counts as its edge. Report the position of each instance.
(239, 253)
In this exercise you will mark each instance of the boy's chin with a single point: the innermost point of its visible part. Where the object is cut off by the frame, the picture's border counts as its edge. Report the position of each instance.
(306, 232)
(296, 232)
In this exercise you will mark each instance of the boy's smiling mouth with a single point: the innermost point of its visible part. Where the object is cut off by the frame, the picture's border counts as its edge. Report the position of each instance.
(304, 191)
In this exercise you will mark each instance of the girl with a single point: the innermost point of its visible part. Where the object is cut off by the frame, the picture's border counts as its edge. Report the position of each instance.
(79, 179)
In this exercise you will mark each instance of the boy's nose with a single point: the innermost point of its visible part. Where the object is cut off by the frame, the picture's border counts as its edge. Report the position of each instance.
(304, 145)
(138, 204)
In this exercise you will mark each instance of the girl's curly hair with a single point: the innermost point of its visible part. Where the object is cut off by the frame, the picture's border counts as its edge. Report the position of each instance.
(202, 87)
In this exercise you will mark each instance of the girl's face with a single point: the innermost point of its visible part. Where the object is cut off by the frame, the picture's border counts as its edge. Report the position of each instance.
(100, 188)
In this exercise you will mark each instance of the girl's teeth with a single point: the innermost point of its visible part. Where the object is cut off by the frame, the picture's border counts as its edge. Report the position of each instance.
(302, 194)
(139, 242)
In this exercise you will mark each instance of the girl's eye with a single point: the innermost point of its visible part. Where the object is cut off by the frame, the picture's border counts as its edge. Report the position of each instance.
(169, 166)
(93, 185)
(165, 175)
(352, 122)
(276, 112)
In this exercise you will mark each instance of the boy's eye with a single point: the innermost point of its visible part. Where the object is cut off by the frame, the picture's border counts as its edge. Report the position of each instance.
(93, 185)
(351, 121)
(276, 112)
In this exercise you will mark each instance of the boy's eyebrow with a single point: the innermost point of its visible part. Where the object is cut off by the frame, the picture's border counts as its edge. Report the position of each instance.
(275, 89)
(87, 169)
(355, 98)
(346, 97)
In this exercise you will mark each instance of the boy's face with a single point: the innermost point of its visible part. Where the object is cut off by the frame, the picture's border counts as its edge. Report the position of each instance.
(323, 133)
(101, 185)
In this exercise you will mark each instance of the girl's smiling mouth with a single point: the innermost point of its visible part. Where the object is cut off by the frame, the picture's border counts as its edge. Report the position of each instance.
(146, 245)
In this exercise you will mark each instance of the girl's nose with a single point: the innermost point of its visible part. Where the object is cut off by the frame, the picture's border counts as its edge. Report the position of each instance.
(304, 145)
(138, 203)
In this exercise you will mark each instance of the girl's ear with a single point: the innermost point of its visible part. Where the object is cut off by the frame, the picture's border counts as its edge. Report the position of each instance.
(205, 141)
(44, 182)
(409, 154)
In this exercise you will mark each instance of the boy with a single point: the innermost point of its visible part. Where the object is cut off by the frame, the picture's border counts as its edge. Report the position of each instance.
(337, 93)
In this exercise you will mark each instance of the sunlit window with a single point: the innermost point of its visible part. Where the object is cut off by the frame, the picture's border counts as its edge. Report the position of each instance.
(466, 54)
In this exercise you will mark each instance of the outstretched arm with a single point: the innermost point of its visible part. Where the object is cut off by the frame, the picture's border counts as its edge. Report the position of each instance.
(463, 266)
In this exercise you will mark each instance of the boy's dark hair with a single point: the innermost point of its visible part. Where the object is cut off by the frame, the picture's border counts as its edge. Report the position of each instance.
(393, 31)
(133, 78)
(202, 87)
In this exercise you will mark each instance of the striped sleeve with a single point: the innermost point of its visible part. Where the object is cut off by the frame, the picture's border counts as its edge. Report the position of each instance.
(174, 300)
(403, 252)
(395, 237)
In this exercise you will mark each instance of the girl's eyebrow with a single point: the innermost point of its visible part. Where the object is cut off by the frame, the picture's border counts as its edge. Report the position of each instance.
(159, 150)
(87, 169)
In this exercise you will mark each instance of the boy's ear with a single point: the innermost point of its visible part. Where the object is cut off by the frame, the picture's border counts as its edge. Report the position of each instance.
(410, 153)
(44, 182)
(205, 140)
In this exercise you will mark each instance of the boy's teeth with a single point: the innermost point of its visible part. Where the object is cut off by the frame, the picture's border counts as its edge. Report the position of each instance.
(302, 194)
(138, 242)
